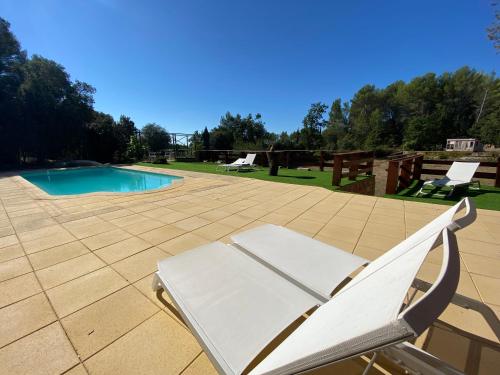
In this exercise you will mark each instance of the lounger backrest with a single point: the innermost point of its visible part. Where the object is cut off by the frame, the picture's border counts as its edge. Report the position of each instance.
(250, 159)
(365, 315)
(461, 171)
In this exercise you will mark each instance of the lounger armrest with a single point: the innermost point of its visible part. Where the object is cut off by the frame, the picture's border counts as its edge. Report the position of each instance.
(468, 218)
(429, 307)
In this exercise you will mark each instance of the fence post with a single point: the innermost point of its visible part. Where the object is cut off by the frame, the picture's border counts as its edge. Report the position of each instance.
(392, 177)
(417, 167)
(321, 161)
(273, 164)
(369, 166)
(287, 155)
(497, 178)
(405, 174)
(226, 157)
(337, 170)
(353, 167)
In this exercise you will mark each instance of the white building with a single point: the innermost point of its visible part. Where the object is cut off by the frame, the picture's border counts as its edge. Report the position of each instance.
(463, 144)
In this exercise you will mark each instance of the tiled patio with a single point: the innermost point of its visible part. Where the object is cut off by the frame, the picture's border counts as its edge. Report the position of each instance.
(75, 273)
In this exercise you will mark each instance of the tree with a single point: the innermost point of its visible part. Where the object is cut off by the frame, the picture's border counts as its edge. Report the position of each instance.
(11, 77)
(206, 139)
(135, 150)
(156, 137)
(125, 130)
(494, 29)
(313, 124)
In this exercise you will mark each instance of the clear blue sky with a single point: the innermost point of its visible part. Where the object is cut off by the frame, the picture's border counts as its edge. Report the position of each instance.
(185, 63)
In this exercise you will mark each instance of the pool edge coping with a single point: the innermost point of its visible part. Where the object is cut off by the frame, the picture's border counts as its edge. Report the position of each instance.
(40, 194)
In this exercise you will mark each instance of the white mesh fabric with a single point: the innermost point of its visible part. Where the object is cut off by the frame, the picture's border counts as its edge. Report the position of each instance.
(462, 171)
(366, 310)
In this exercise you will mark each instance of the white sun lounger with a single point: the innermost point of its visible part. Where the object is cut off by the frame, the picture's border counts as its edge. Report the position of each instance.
(238, 298)
(459, 174)
(241, 163)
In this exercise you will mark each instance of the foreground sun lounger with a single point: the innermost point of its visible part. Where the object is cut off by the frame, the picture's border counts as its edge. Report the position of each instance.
(237, 299)
(459, 174)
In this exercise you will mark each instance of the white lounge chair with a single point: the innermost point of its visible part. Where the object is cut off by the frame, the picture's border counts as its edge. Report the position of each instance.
(459, 174)
(239, 164)
(237, 299)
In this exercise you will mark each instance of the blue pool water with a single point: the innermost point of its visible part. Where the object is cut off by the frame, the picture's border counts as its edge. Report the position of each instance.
(94, 179)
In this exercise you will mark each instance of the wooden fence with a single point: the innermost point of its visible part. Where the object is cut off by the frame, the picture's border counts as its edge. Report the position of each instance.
(345, 164)
(355, 162)
(401, 172)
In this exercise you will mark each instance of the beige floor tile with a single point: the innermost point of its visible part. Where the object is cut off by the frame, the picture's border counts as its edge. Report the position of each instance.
(236, 221)
(482, 265)
(367, 252)
(78, 370)
(337, 242)
(429, 272)
(24, 317)
(48, 242)
(201, 366)
(142, 226)
(105, 239)
(71, 269)
(127, 220)
(99, 324)
(115, 214)
(479, 248)
(139, 265)
(175, 217)
(27, 223)
(162, 234)
(214, 215)
(488, 287)
(58, 254)
(81, 292)
(6, 231)
(182, 243)
(16, 289)
(191, 223)
(122, 249)
(88, 227)
(42, 232)
(377, 241)
(277, 219)
(158, 346)
(387, 230)
(448, 346)
(213, 231)
(468, 321)
(8, 241)
(11, 252)
(158, 213)
(13, 268)
(308, 227)
(46, 351)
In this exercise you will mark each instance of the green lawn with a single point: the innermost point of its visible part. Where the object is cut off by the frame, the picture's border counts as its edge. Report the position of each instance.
(487, 197)
(290, 176)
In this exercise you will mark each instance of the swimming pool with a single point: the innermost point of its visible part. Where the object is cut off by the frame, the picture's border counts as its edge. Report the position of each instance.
(97, 179)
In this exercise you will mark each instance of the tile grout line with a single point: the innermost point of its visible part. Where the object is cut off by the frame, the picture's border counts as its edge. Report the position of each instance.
(47, 297)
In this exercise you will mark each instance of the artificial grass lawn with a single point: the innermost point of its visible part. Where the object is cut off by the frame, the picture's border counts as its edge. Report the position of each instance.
(488, 197)
(289, 176)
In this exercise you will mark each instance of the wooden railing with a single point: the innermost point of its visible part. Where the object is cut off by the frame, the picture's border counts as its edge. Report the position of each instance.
(356, 163)
(401, 172)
